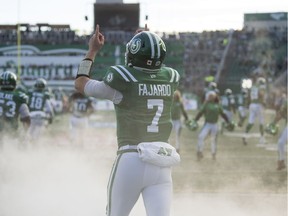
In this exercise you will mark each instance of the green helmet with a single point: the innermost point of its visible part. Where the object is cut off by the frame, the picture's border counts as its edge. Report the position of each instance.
(272, 129)
(145, 50)
(192, 125)
(228, 92)
(8, 80)
(260, 81)
(40, 84)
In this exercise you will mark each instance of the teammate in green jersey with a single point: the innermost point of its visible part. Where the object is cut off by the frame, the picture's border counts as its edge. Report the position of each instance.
(176, 113)
(81, 108)
(41, 109)
(211, 110)
(142, 92)
(282, 140)
(256, 108)
(13, 105)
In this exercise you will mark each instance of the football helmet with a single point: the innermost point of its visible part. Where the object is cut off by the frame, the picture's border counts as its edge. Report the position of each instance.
(8, 80)
(244, 92)
(260, 81)
(145, 50)
(212, 85)
(272, 129)
(192, 125)
(40, 84)
(230, 126)
(228, 92)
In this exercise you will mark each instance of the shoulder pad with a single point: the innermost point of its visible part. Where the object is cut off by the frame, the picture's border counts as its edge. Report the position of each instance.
(174, 75)
(119, 72)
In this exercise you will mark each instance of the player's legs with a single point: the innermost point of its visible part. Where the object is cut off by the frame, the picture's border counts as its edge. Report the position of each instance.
(177, 130)
(78, 126)
(157, 197)
(252, 115)
(242, 115)
(125, 184)
(201, 138)
(260, 115)
(213, 134)
(282, 142)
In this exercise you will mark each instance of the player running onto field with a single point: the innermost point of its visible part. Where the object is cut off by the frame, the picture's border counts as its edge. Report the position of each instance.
(13, 105)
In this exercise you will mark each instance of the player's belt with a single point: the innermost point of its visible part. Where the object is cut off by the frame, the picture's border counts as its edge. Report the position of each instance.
(127, 148)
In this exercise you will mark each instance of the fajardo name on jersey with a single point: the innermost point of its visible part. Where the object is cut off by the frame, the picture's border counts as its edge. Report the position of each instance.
(154, 90)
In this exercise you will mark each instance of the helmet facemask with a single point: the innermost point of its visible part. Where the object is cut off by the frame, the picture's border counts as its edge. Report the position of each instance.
(40, 84)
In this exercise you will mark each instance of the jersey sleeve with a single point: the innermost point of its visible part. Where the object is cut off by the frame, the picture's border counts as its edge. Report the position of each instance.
(116, 78)
(23, 98)
(174, 76)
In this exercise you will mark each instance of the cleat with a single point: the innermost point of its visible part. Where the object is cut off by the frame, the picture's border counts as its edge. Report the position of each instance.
(281, 165)
(199, 156)
(244, 141)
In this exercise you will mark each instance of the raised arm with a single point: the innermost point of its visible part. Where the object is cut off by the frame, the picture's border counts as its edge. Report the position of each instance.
(95, 44)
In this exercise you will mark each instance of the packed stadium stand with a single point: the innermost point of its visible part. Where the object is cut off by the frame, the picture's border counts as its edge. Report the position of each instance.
(227, 56)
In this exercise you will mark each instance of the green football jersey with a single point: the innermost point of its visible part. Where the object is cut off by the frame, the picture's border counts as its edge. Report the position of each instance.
(10, 102)
(144, 113)
(176, 110)
(258, 94)
(37, 100)
(211, 111)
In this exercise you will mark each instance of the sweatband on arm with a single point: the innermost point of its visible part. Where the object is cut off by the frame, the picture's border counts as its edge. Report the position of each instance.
(84, 67)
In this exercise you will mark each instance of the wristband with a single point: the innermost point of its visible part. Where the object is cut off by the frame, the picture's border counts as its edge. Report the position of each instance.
(84, 68)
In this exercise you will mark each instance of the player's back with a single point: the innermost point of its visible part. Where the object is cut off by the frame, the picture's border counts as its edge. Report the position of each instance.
(10, 102)
(37, 100)
(144, 114)
(80, 104)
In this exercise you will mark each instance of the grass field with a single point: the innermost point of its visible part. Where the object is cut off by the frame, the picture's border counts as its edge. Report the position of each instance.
(54, 178)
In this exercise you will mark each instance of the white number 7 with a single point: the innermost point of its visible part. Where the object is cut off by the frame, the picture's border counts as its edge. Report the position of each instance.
(153, 127)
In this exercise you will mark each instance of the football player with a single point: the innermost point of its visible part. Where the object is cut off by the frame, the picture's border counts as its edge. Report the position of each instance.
(13, 106)
(211, 110)
(81, 108)
(228, 103)
(176, 113)
(41, 109)
(282, 140)
(142, 92)
(242, 105)
(257, 99)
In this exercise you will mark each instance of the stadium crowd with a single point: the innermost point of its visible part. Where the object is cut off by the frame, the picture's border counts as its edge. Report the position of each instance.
(226, 56)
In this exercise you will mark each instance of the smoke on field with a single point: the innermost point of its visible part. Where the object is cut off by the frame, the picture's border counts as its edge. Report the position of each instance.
(61, 180)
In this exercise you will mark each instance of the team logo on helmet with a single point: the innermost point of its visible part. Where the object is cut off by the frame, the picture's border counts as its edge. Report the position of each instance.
(109, 77)
(135, 45)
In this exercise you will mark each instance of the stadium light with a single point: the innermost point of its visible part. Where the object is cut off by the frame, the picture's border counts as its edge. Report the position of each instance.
(246, 83)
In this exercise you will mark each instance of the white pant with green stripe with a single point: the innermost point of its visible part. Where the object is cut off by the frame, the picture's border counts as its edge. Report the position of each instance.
(208, 129)
(130, 177)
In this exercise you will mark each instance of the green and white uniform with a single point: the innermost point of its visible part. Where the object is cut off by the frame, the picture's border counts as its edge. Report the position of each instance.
(41, 110)
(177, 111)
(282, 140)
(143, 112)
(81, 107)
(211, 112)
(257, 98)
(13, 105)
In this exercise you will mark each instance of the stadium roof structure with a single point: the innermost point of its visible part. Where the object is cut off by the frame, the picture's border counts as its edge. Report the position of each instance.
(268, 21)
